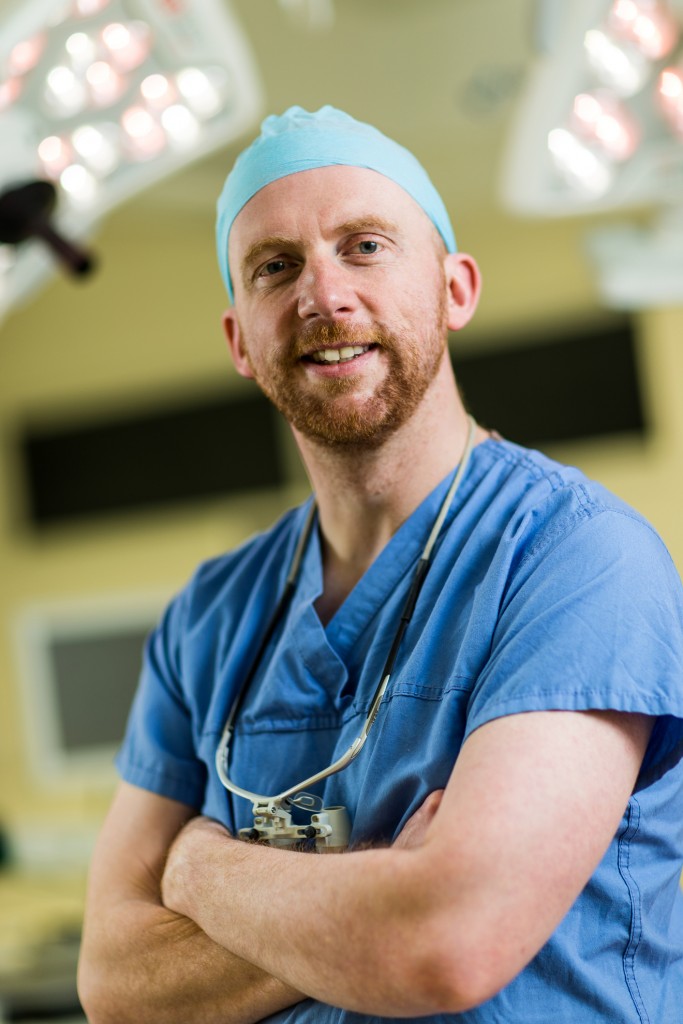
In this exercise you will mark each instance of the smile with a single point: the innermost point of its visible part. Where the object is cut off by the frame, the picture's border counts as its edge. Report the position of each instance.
(338, 355)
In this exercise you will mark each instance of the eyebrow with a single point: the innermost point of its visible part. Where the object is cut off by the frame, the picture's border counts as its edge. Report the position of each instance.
(369, 222)
(270, 244)
(276, 243)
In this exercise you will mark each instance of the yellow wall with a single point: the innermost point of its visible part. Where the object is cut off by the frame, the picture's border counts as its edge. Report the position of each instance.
(147, 328)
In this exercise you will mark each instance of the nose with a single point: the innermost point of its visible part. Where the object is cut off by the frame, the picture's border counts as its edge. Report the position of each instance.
(325, 290)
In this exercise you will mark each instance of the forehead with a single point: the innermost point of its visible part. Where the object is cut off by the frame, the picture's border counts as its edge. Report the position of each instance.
(319, 200)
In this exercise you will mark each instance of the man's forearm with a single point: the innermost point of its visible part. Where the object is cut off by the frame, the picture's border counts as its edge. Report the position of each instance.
(443, 926)
(140, 961)
(348, 940)
(145, 964)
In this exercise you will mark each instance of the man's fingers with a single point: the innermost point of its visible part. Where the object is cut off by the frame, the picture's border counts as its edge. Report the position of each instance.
(414, 830)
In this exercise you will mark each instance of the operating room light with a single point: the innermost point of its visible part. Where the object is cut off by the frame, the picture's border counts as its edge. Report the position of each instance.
(181, 126)
(105, 97)
(651, 26)
(26, 54)
(82, 50)
(55, 155)
(670, 97)
(128, 45)
(79, 183)
(578, 164)
(616, 104)
(65, 92)
(88, 7)
(622, 69)
(157, 91)
(601, 127)
(605, 121)
(98, 147)
(105, 84)
(144, 137)
(201, 90)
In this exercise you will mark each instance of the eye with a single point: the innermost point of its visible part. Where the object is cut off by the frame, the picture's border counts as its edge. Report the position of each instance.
(368, 247)
(273, 267)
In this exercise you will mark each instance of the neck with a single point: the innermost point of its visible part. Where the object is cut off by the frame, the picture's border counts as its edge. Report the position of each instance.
(364, 496)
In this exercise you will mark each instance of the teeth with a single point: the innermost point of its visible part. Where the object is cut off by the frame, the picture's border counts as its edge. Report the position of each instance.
(338, 355)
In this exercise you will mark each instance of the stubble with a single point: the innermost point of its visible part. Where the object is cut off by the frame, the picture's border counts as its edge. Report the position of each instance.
(336, 413)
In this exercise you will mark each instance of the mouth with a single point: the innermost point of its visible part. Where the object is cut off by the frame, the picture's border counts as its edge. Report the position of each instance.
(345, 354)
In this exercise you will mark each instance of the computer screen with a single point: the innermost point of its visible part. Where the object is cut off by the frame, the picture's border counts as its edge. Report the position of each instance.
(80, 664)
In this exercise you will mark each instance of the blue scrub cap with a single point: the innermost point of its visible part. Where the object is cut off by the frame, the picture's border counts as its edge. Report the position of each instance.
(300, 141)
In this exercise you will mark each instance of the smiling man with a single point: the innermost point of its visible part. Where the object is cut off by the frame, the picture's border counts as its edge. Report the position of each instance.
(457, 670)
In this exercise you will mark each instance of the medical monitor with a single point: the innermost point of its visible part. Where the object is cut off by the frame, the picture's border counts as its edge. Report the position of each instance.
(79, 668)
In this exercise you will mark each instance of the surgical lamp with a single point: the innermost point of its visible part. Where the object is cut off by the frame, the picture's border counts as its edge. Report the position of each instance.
(600, 128)
(100, 99)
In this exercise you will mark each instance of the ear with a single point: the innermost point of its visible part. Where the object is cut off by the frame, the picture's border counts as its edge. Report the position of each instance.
(231, 329)
(463, 281)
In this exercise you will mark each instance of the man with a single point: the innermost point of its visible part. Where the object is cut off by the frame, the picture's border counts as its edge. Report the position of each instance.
(516, 814)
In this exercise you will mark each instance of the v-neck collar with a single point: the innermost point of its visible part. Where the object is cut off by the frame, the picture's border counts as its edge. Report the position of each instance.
(380, 580)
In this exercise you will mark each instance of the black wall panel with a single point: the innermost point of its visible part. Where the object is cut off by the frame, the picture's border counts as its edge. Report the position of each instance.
(182, 453)
(572, 388)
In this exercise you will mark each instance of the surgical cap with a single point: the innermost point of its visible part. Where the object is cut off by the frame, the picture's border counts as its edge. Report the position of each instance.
(300, 141)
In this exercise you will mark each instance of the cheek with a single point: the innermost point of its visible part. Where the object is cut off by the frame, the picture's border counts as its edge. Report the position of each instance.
(262, 352)
(421, 284)
(418, 304)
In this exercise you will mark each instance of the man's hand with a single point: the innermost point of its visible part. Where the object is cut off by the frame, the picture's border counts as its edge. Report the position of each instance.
(188, 850)
(184, 861)
(415, 829)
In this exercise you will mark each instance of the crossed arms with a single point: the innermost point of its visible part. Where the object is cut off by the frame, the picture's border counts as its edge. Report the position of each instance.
(185, 924)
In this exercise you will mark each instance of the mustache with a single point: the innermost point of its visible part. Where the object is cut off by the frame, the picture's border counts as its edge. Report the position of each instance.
(331, 335)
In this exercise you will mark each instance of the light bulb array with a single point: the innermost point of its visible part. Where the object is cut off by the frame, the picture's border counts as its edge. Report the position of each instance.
(108, 70)
(626, 59)
(105, 97)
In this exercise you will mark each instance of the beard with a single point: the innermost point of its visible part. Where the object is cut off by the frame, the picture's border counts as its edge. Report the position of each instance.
(339, 412)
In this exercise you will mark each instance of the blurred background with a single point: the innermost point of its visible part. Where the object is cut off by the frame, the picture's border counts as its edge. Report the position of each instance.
(129, 448)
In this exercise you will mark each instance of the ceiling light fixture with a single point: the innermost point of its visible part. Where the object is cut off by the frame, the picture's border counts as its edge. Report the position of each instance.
(600, 127)
(103, 98)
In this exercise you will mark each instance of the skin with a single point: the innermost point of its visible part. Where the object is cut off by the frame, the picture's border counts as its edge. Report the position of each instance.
(142, 962)
(440, 927)
(326, 280)
(186, 924)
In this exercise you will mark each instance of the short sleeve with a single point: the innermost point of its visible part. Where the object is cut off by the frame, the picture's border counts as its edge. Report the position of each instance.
(591, 620)
(158, 751)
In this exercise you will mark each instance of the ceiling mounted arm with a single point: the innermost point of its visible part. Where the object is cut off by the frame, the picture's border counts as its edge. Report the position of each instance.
(26, 212)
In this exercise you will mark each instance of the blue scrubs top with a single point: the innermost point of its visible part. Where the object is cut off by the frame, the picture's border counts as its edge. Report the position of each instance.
(545, 592)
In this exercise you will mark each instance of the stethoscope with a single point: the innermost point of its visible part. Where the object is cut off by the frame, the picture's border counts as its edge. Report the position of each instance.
(329, 827)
